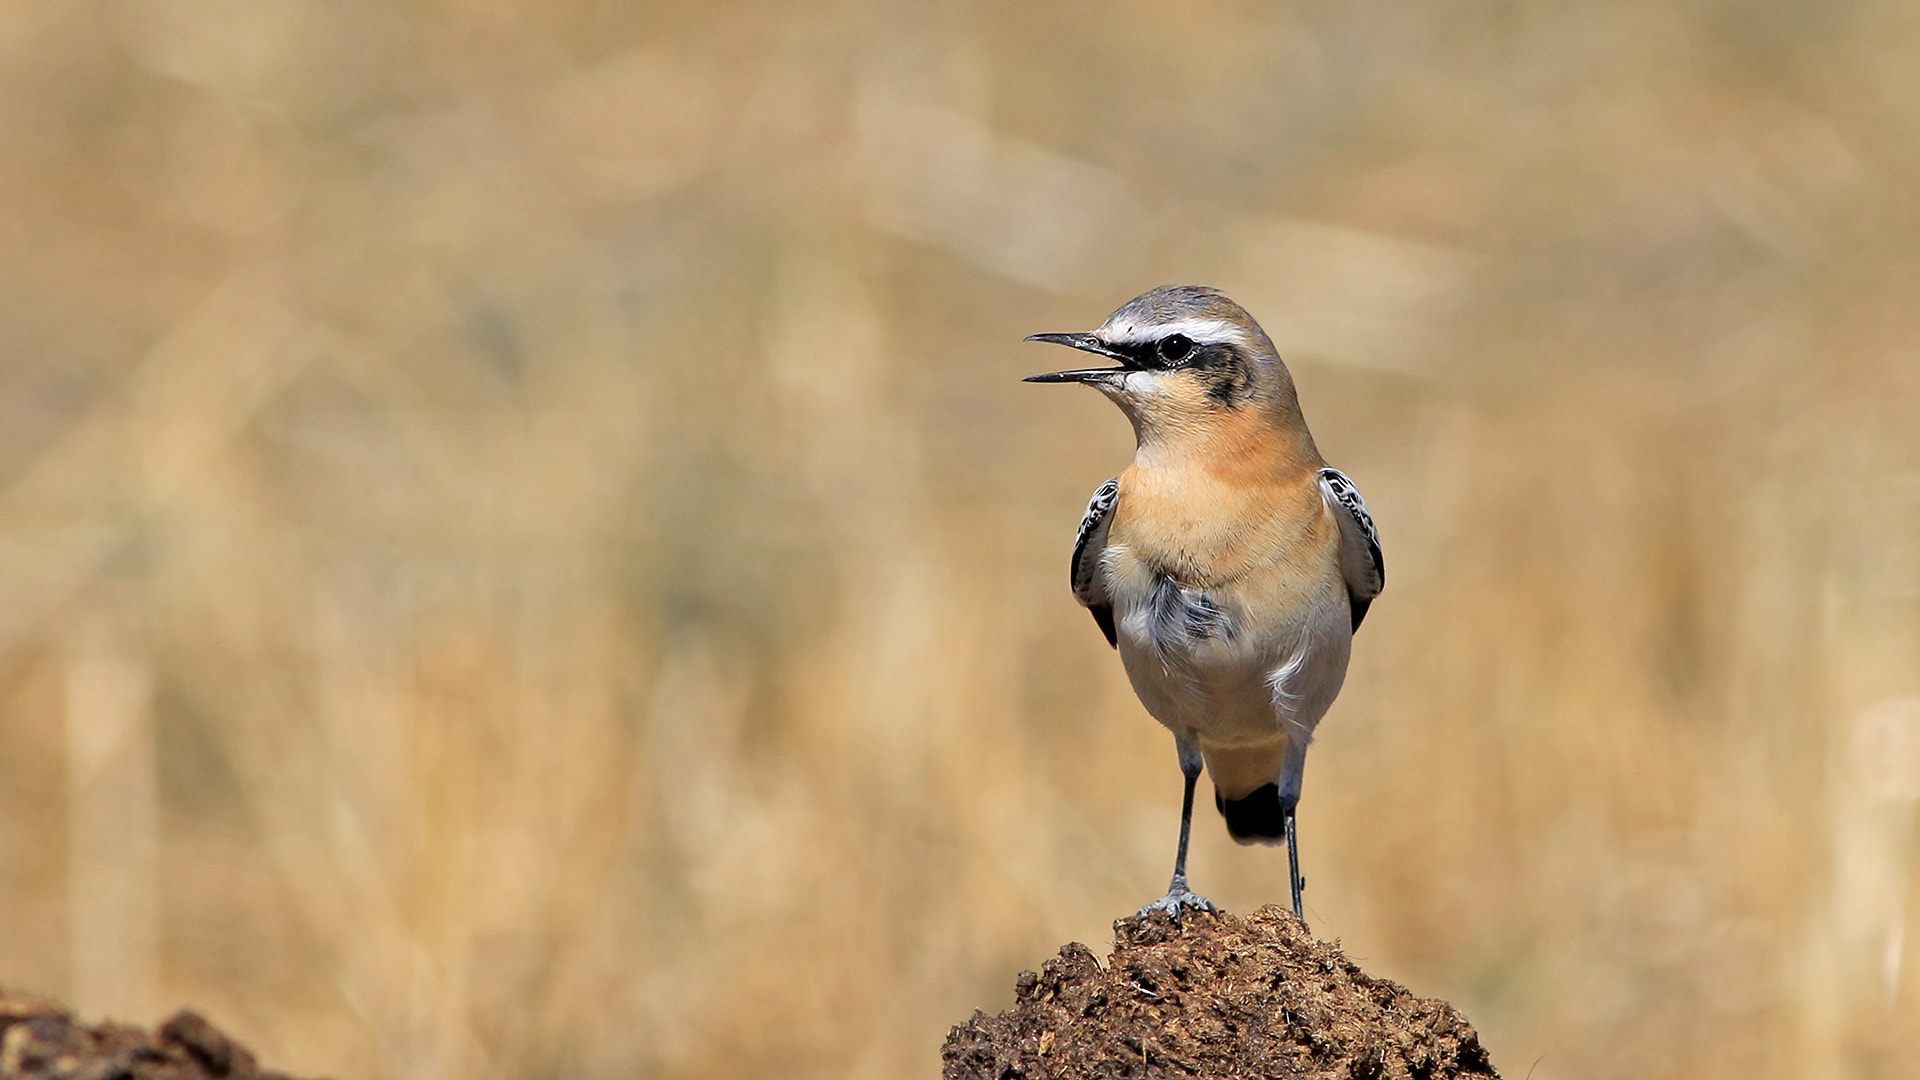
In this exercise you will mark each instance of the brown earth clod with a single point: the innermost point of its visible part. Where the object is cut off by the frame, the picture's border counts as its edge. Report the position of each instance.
(1214, 996)
(42, 1041)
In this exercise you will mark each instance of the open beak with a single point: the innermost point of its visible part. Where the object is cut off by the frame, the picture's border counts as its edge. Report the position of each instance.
(1084, 342)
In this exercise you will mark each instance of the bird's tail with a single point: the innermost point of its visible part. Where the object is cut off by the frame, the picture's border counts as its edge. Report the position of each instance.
(1259, 818)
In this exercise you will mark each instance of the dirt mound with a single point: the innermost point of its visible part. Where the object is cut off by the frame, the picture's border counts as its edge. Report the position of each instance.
(41, 1041)
(1216, 996)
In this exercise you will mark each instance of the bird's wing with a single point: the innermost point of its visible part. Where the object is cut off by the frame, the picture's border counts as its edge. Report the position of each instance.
(1089, 584)
(1360, 561)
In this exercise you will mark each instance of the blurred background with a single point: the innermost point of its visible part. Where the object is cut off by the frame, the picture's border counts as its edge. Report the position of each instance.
(523, 552)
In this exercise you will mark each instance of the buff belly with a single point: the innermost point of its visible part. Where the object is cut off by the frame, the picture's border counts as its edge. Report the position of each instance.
(1247, 694)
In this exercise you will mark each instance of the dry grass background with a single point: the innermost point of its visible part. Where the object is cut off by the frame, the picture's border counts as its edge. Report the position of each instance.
(522, 552)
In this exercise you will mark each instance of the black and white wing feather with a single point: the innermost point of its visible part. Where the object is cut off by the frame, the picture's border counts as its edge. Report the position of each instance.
(1360, 559)
(1089, 583)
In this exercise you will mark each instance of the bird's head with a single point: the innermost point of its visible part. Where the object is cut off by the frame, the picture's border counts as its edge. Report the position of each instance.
(1189, 360)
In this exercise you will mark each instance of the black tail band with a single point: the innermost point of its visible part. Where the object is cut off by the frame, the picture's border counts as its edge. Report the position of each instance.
(1256, 818)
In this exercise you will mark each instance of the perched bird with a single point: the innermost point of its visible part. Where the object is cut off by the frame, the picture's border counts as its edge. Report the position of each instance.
(1229, 564)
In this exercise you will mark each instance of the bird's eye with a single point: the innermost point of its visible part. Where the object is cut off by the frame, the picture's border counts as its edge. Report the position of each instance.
(1175, 348)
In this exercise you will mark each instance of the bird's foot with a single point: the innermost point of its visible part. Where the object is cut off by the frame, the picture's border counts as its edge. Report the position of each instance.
(1178, 901)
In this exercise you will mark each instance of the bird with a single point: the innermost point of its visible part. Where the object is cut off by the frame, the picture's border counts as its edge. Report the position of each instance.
(1228, 564)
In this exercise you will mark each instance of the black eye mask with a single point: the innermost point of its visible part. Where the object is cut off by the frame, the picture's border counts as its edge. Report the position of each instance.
(1173, 352)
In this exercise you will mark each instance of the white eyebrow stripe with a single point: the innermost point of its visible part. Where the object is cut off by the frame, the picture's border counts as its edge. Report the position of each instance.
(1200, 331)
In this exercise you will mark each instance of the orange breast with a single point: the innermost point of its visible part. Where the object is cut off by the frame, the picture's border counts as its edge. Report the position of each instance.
(1212, 512)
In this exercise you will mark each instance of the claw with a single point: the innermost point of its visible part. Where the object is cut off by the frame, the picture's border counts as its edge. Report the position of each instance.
(1178, 901)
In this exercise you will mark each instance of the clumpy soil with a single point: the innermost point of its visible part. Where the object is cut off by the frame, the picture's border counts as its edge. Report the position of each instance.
(1213, 996)
(41, 1041)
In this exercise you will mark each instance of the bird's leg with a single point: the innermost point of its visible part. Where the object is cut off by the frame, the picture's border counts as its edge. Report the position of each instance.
(1293, 865)
(1179, 898)
(1290, 774)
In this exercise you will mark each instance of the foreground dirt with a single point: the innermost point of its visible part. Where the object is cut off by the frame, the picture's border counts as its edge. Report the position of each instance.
(41, 1041)
(1215, 996)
